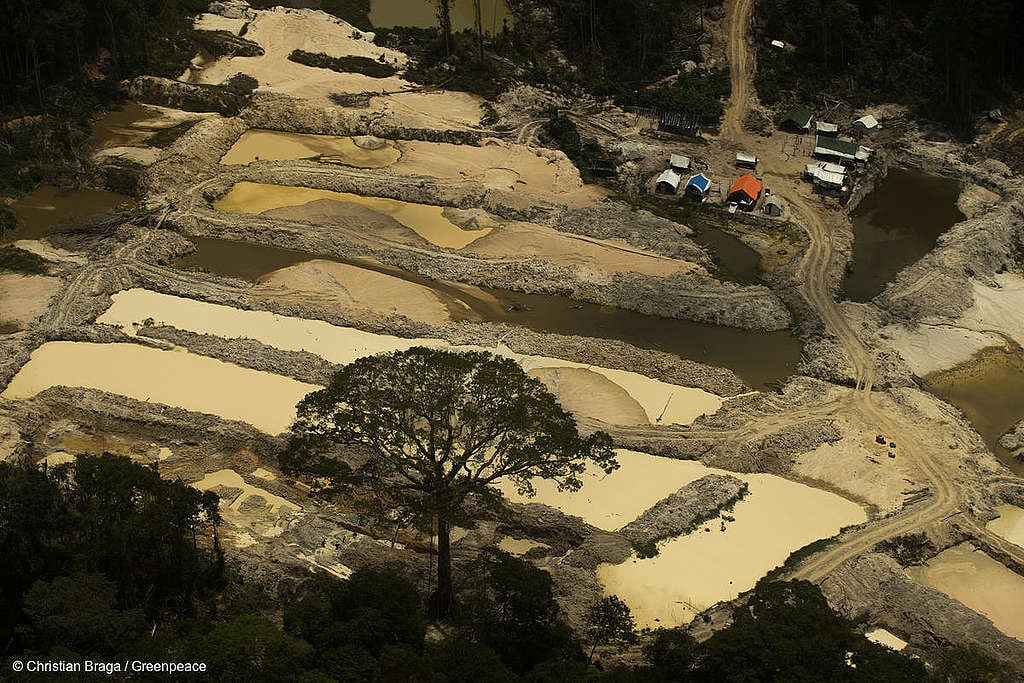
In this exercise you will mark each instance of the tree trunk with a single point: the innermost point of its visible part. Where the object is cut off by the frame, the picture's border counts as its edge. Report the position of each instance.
(444, 18)
(479, 31)
(444, 598)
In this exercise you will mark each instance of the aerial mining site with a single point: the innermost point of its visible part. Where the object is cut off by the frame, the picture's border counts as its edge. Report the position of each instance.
(781, 335)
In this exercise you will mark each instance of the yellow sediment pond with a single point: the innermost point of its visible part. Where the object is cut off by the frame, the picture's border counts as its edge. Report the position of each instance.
(1009, 524)
(188, 381)
(668, 402)
(979, 582)
(697, 570)
(425, 220)
(271, 145)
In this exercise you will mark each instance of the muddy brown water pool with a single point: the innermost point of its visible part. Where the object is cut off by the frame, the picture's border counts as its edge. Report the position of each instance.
(48, 206)
(897, 224)
(760, 359)
(989, 391)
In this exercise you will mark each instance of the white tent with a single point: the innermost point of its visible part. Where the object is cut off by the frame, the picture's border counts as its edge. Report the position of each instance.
(868, 122)
(668, 182)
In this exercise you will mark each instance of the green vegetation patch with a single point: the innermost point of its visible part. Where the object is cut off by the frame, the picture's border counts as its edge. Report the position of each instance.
(348, 64)
(18, 260)
(698, 92)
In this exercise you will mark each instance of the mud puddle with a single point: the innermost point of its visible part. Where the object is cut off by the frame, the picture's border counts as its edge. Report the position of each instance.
(989, 390)
(48, 206)
(897, 224)
(269, 145)
(775, 359)
(979, 582)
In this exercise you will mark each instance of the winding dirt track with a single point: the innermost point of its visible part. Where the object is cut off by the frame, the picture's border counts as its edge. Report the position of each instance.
(916, 443)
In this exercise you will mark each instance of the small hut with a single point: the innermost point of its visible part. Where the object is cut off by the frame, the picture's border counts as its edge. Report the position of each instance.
(668, 182)
(746, 160)
(679, 163)
(825, 128)
(697, 187)
(797, 120)
(773, 206)
(745, 192)
(866, 123)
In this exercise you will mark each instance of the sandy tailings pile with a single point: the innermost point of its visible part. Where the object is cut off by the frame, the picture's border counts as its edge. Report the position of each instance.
(718, 560)
(425, 220)
(279, 31)
(584, 392)
(935, 345)
(354, 287)
(23, 298)
(500, 165)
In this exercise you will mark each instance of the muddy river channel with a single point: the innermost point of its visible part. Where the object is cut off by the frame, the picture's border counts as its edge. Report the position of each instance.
(762, 360)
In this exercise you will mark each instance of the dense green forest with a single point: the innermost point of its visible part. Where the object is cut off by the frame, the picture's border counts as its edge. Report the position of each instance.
(948, 59)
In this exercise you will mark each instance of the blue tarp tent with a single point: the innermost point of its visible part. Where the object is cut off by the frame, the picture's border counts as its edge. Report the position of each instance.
(698, 185)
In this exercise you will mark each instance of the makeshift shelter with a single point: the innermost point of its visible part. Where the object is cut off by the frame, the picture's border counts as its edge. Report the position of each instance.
(826, 176)
(833, 148)
(798, 120)
(778, 44)
(867, 122)
(773, 206)
(745, 192)
(746, 160)
(697, 186)
(679, 163)
(829, 129)
(668, 182)
(603, 168)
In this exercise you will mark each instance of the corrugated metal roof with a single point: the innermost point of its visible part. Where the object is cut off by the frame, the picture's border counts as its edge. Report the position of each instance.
(745, 158)
(679, 161)
(823, 127)
(828, 178)
(774, 200)
(799, 117)
(842, 149)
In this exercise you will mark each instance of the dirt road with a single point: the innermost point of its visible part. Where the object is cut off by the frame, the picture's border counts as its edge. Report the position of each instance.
(813, 271)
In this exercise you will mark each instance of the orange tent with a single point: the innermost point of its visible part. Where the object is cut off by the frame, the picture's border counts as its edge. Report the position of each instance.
(748, 185)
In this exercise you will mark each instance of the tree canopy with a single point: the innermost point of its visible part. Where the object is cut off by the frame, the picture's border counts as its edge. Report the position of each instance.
(437, 428)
